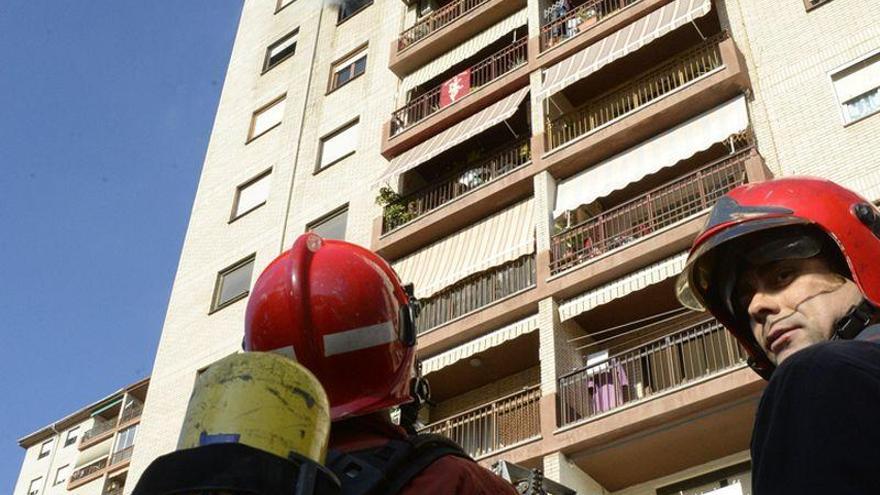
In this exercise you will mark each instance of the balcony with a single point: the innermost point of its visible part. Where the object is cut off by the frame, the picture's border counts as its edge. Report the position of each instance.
(470, 178)
(648, 213)
(631, 97)
(121, 456)
(131, 412)
(500, 424)
(580, 19)
(445, 28)
(475, 292)
(87, 473)
(99, 430)
(479, 75)
(698, 351)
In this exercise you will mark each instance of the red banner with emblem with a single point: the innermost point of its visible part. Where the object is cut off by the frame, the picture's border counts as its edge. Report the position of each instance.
(455, 88)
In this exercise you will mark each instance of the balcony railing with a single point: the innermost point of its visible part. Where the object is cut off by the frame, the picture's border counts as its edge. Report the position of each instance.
(648, 213)
(482, 172)
(481, 74)
(99, 428)
(698, 351)
(579, 20)
(121, 456)
(435, 21)
(131, 412)
(682, 70)
(476, 291)
(88, 470)
(491, 427)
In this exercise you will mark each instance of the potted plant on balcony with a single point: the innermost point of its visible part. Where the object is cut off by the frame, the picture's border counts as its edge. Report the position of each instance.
(587, 18)
(394, 209)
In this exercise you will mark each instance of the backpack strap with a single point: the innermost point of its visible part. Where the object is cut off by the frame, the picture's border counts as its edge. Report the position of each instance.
(387, 469)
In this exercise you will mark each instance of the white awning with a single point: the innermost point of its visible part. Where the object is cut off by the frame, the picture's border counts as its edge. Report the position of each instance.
(480, 344)
(463, 51)
(627, 40)
(661, 151)
(604, 294)
(503, 237)
(470, 127)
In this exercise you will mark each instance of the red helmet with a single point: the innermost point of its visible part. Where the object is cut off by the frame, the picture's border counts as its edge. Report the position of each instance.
(340, 311)
(767, 213)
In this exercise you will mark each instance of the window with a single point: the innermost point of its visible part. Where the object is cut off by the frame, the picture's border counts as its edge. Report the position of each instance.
(280, 50)
(34, 487)
(331, 226)
(812, 4)
(858, 88)
(338, 145)
(46, 448)
(61, 474)
(348, 8)
(72, 435)
(266, 118)
(233, 283)
(345, 70)
(251, 195)
(732, 480)
(280, 4)
(125, 439)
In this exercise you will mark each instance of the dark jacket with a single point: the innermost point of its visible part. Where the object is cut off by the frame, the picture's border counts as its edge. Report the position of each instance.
(817, 428)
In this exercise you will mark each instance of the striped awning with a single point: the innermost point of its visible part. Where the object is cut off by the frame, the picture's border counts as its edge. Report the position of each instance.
(463, 51)
(480, 344)
(500, 238)
(604, 294)
(659, 152)
(627, 40)
(470, 127)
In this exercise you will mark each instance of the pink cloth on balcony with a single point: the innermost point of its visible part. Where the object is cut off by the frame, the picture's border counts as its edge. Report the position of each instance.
(607, 388)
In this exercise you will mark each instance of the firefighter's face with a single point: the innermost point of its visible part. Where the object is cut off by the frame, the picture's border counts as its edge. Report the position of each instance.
(794, 303)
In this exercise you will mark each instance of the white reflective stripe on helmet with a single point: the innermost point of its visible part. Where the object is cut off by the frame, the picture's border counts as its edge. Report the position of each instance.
(359, 338)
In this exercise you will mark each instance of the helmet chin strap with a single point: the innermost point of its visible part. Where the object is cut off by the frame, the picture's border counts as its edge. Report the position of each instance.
(855, 320)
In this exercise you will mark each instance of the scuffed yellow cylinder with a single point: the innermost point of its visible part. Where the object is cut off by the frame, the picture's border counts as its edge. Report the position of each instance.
(259, 399)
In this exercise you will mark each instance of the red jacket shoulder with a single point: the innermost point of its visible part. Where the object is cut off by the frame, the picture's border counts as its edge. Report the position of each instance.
(456, 475)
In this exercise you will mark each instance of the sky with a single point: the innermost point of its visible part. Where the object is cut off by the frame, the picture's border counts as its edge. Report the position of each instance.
(106, 107)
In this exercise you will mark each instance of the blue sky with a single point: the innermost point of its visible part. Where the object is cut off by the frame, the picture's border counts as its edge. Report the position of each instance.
(106, 107)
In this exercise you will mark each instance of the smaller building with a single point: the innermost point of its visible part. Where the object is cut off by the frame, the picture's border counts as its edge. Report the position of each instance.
(87, 452)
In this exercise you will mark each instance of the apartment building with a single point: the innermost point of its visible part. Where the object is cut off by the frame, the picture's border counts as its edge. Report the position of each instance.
(538, 170)
(87, 452)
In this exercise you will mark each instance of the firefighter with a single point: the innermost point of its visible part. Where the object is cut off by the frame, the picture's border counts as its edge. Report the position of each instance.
(341, 311)
(792, 268)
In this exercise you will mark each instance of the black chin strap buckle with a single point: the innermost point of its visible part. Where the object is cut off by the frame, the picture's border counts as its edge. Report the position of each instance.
(854, 321)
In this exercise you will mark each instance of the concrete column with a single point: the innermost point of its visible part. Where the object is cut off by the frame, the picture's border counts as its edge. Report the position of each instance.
(545, 199)
(560, 469)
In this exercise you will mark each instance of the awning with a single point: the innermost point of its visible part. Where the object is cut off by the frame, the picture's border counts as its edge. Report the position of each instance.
(470, 127)
(463, 51)
(627, 40)
(858, 79)
(503, 237)
(480, 344)
(661, 151)
(604, 294)
(105, 407)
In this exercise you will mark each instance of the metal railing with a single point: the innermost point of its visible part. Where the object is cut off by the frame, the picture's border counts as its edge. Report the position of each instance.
(487, 70)
(472, 177)
(121, 455)
(88, 470)
(435, 21)
(648, 213)
(476, 291)
(131, 412)
(579, 20)
(698, 351)
(99, 428)
(501, 423)
(632, 96)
